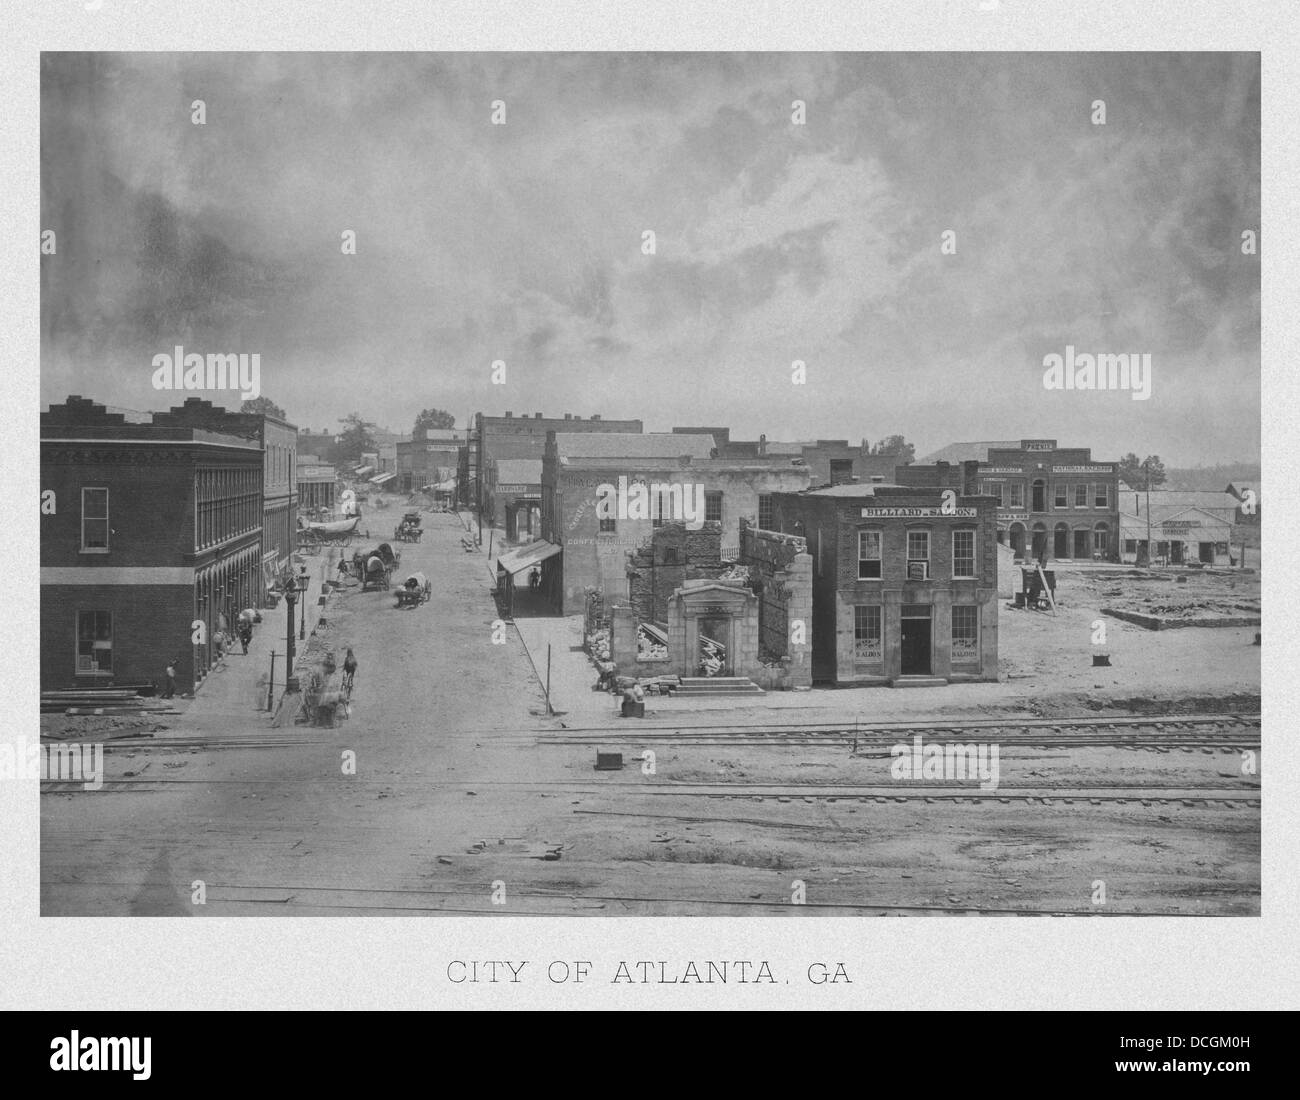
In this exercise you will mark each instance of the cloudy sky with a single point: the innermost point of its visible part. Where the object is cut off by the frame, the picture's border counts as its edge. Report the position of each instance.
(774, 242)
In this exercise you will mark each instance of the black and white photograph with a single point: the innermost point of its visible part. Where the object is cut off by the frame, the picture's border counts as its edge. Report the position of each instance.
(630, 484)
(618, 507)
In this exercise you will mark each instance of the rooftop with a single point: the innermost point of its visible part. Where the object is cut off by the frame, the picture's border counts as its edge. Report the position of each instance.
(964, 452)
(629, 445)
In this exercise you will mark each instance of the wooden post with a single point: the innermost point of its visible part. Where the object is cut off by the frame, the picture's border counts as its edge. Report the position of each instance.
(490, 534)
(549, 711)
(1046, 588)
(270, 687)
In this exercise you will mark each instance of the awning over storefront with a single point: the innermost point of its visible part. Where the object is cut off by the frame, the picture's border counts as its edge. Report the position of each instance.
(364, 470)
(525, 557)
(382, 479)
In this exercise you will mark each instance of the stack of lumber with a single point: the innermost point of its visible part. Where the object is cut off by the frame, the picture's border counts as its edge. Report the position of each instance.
(102, 701)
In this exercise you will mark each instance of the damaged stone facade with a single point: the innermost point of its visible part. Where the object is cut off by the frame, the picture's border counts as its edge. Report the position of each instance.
(673, 555)
(780, 570)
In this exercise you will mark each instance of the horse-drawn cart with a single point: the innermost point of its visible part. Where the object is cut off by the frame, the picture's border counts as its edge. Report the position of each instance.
(375, 567)
(415, 590)
(409, 529)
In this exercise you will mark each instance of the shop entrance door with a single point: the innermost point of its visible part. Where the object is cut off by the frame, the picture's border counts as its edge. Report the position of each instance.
(916, 640)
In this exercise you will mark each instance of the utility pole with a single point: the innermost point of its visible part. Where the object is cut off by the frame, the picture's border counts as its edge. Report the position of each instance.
(1146, 467)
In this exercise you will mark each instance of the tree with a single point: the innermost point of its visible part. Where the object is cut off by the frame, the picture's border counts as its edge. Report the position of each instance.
(354, 440)
(1134, 471)
(434, 418)
(897, 447)
(265, 406)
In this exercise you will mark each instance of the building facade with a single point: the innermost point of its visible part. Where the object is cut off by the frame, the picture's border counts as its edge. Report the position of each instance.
(150, 540)
(904, 579)
(656, 477)
(1183, 527)
(317, 487)
(512, 496)
(430, 457)
(1053, 502)
(279, 442)
(524, 436)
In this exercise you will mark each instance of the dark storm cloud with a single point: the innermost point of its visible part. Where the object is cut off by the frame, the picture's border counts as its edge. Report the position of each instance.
(774, 242)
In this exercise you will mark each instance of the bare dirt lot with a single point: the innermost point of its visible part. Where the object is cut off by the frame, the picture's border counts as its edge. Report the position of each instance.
(465, 800)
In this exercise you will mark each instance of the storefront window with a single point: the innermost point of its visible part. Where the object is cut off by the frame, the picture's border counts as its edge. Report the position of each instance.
(965, 634)
(868, 645)
(94, 643)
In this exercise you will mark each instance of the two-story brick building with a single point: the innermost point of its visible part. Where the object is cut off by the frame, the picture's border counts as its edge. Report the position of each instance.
(279, 442)
(904, 578)
(146, 527)
(1053, 501)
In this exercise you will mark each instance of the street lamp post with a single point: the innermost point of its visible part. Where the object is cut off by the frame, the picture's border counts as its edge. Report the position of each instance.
(301, 581)
(290, 598)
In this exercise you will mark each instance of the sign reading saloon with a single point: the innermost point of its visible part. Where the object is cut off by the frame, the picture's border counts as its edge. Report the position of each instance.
(918, 513)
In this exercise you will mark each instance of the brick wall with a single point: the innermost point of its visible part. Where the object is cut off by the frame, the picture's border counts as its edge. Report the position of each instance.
(151, 625)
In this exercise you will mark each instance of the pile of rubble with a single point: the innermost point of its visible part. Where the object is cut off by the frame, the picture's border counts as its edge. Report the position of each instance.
(648, 647)
(736, 574)
(598, 644)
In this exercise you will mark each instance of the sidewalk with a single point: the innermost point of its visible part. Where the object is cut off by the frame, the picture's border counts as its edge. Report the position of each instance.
(240, 691)
(572, 673)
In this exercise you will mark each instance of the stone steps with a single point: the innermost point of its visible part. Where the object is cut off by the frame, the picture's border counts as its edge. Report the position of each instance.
(918, 682)
(718, 685)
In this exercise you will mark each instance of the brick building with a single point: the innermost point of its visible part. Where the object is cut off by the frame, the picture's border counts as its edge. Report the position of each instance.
(512, 495)
(904, 578)
(1052, 501)
(150, 527)
(430, 457)
(279, 442)
(510, 436)
(660, 469)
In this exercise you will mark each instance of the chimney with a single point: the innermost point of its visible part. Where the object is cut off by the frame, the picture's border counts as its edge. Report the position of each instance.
(970, 471)
(567, 416)
(595, 416)
(509, 414)
(538, 416)
(762, 444)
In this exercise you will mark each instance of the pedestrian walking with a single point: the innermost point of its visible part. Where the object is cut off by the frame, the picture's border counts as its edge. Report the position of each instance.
(219, 646)
(534, 579)
(245, 635)
(170, 689)
(349, 671)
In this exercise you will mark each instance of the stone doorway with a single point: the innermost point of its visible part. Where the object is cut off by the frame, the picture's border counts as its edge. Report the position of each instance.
(714, 646)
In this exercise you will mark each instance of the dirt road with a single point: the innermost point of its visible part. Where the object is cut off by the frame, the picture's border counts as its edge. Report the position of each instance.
(466, 799)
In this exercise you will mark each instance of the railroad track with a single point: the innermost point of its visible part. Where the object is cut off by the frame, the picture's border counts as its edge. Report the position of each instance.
(816, 793)
(1227, 732)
